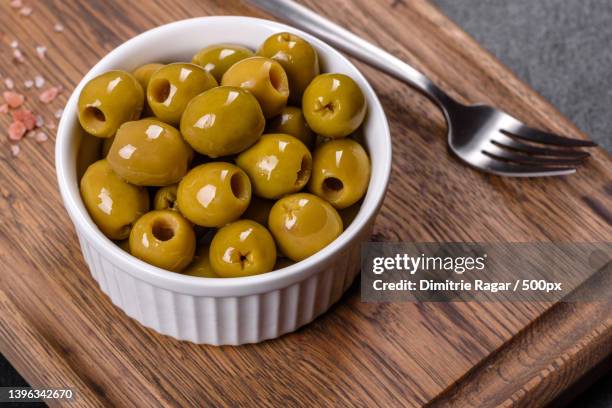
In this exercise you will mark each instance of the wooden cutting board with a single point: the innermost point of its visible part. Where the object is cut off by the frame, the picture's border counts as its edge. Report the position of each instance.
(59, 330)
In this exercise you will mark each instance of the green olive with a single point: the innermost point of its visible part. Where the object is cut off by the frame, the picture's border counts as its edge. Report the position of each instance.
(172, 87)
(277, 164)
(217, 58)
(113, 204)
(148, 152)
(165, 198)
(144, 73)
(164, 239)
(333, 105)
(340, 172)
(297, 57)
(143, 76)
(108, 101)
(291, 121)
(222, 121)
(302, 224)
(264, 78)
(258, 210)
(200, 266)
(242, 248)
(88, 151)
(214, 194)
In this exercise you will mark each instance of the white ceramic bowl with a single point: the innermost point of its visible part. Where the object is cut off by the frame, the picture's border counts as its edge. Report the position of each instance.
(221, 311)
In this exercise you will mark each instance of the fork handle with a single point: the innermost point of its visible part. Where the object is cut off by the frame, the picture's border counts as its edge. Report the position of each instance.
(348, 42)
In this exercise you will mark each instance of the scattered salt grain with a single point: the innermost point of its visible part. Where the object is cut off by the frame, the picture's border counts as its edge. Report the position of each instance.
(16, 130)
(40, 121)
(15, 150)
(51, 126)
(58, 113)
(13, 99)
(17, 54)
(28, 83)
(14, 44)
(25, 11)
(16, 4)
(41, 137)
(8, 82)
(41, 51)
(4, 108)
(48, 95)
(58, 27)
(39, 81)
(26, 117)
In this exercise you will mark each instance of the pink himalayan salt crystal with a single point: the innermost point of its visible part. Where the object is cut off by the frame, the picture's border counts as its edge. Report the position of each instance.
(25, 11)
(41, 51)
(26, 117)
(28, 83)
(18, 55)
(16, 130)
(40, 121)
(15, 150)
(41, 137)
(4, 108)
(51, 126)
(48, 95)
(14, 44)
(39, 81)
(13, 99)
(8, 82)
(16, 4)
(58, 27)
(58, 113)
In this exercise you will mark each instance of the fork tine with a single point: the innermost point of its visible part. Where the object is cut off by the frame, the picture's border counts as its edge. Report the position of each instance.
(509, 143)
(536, 161)
(539, 136)
(523, 170)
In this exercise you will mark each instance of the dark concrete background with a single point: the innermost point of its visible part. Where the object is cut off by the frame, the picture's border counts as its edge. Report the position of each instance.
(562, 48)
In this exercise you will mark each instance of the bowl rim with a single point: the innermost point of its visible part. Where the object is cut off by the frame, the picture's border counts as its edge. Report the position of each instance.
(218, 287)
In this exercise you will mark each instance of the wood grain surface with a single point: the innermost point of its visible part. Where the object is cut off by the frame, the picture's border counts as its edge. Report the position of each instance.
(58, 328)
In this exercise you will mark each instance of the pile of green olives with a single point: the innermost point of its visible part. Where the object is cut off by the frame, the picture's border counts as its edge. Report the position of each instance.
(237, 163)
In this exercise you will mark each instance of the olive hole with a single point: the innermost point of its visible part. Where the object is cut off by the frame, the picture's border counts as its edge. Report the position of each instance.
(285, 37)
(169, 202)
(244, 260)
(327, 109)
(303, 173)
(160, 90)
(238, 186)
(276, 79)
(93, 113)
(332, 188)
(163, 230)
(94, 118)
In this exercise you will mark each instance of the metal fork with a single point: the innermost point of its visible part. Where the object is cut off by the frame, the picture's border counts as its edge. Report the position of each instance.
(482, 136)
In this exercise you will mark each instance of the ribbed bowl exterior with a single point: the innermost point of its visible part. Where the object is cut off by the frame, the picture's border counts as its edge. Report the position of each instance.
(225, 320)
